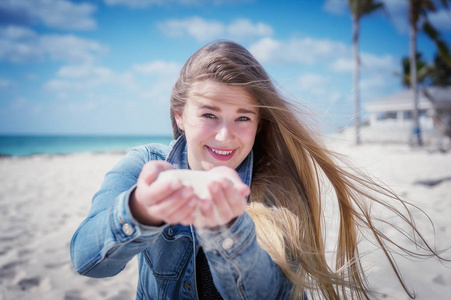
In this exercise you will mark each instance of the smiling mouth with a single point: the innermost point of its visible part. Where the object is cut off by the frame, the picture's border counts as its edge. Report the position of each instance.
(222, 155)
(221, 152)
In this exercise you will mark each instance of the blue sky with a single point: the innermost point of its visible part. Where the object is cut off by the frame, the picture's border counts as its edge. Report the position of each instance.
(107, 66)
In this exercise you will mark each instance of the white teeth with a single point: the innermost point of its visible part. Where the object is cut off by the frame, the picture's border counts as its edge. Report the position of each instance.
(221, 152)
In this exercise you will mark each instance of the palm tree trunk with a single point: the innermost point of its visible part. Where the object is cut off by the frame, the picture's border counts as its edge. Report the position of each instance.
(417, 141)
(355, 46)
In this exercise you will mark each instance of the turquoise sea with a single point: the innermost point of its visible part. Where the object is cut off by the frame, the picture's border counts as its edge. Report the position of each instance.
(22, 145)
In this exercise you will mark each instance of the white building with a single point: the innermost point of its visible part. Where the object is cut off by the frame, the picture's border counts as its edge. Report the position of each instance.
(390, 117)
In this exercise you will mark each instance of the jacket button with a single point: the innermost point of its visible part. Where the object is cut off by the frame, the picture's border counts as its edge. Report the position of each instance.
(170, 231)
(227, 243)
(127, 229)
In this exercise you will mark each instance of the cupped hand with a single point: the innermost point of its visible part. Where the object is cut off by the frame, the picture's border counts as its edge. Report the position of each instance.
(154, 203)
(228, 199)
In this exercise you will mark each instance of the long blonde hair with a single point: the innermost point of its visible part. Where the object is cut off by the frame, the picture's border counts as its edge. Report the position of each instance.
(290, 166)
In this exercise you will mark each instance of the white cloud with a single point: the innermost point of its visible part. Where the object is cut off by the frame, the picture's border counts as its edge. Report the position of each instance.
(5, 83)
(17, 33)
(147, 3)
(135, 3)
(398, 15)
(71, 48)
(342, 65)
(19, 44)
(20, 104)
(369, 62)
(158, 67)
(88, 76)
(207, 30)
(243, 28)
(302, 51)
(397, 11)
(136, 100)
(93, 79)
(58, 14)
(88, 72)
(266, 50)
(374, 62)
(200, 29)
(441, 20)
(314, 83)
(375, 81)
(163, 76)
(336, 7)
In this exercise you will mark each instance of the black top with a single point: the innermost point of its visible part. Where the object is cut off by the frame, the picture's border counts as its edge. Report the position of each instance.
(205, 286)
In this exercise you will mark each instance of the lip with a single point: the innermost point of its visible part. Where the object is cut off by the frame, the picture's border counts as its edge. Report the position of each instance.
(219, 156)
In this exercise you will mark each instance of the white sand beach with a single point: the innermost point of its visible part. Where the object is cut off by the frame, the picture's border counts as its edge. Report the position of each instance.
(43, 199)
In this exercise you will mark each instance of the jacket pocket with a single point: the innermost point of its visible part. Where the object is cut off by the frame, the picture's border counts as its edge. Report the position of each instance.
(167, 257)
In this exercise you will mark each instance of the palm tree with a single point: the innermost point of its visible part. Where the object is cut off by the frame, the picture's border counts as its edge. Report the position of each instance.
(359, 8)
(441, 72)
(417, 9)
(437, 74)
(424, 71)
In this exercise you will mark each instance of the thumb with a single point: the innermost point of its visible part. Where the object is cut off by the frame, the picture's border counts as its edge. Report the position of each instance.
(243, 189)
(152, 169)
(148, 174)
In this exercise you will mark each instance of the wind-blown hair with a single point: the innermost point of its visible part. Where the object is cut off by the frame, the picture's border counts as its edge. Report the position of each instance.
(290, 166)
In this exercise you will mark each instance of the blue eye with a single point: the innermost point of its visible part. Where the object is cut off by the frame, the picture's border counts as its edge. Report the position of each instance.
(243, 119)
(208, 116)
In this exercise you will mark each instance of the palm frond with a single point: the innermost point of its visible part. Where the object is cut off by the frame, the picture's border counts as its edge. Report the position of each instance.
(431, 31)
(360, 8)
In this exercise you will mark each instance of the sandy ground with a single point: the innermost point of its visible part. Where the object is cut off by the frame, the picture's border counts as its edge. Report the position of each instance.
(43, 199)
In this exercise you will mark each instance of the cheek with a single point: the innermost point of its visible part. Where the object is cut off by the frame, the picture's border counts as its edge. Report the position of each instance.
(198, 131)
(247, 135)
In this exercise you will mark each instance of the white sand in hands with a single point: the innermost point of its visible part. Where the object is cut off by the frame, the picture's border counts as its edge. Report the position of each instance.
(199, 181)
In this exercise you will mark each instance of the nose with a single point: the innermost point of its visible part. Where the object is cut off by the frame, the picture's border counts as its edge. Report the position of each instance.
(225, 132)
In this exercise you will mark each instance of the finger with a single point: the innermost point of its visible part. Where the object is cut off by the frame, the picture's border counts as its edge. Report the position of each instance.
(236, 200)
(157, 191)
(207, 214)
(231, 174)
(169, 209)
(189, 212)
(222, 211)
(152, 169)
(242, 188)
(185, 213)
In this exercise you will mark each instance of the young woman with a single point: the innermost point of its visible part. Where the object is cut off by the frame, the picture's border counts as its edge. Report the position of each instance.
(260, 236)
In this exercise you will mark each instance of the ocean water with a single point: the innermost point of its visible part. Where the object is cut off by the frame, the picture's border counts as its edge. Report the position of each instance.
(22, 145)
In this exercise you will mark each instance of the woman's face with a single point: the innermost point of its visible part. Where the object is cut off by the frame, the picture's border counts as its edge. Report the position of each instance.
(220, 124)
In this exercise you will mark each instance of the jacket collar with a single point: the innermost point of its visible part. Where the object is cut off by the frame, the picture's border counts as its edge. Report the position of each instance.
(179, 159)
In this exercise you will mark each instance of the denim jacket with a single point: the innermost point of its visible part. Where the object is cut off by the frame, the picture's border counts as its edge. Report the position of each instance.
(110, 237)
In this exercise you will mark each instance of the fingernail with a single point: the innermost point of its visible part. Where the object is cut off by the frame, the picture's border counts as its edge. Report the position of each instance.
(206, 205)
(176, 184)
(215, 187)
(226, 183)
(245, 191)
(187, 192)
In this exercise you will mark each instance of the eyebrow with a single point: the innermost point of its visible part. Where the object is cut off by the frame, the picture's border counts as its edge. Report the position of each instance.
(239, 110)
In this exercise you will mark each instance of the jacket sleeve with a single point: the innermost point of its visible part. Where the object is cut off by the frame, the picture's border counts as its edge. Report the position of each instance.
(241, 269)
(110, 237)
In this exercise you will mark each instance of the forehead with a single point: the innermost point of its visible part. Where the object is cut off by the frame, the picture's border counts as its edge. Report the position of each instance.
(210, 90)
